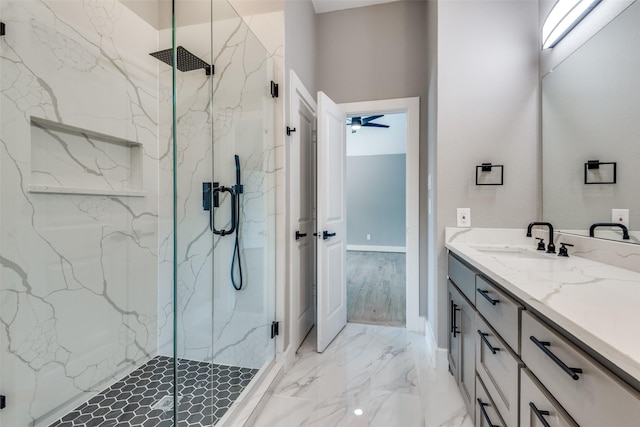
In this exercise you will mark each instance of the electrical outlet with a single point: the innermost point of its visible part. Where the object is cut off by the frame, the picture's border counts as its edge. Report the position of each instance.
(620, 216)
(464, 217)
(368, 236)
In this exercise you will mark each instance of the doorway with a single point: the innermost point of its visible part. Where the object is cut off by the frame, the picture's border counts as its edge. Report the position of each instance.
(304, 288)
(376, 219)
(410, 108)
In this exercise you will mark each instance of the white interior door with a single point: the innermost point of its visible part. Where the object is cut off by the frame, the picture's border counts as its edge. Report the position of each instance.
(331, 222)
(302, 181)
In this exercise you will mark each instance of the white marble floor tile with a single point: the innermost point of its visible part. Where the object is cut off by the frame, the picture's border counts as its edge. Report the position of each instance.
(390, 408)
(368, 376)
(286, 412)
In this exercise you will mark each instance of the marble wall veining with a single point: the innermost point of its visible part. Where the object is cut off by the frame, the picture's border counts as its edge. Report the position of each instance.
(78, 290)
(86, 213)
(216, 322)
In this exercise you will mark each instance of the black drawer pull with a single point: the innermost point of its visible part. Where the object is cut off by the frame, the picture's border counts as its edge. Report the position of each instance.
(539, 414)
(483, 336)
(300, 235)
(542, 345)
(486, 296)
(484, 412)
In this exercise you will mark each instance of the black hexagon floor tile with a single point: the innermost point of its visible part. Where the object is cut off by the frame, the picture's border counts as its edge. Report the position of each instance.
(145, 396)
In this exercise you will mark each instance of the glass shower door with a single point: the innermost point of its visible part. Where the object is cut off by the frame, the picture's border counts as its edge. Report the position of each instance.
(224, 197)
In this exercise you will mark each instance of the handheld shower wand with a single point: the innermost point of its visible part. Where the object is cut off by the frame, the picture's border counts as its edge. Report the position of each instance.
(237, 190)
(211, 193)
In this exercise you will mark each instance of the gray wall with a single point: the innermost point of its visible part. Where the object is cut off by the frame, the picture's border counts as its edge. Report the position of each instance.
(376, 200)
(378, 52)
(487, 111)
(300, 44)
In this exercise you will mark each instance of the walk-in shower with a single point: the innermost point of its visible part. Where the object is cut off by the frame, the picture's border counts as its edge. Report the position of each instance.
(116, 303)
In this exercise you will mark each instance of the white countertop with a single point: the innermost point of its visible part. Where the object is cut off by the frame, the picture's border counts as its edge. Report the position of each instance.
(597, 303)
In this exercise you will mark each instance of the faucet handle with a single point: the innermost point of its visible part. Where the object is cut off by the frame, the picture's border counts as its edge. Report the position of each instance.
(541, 246)
(563, 250)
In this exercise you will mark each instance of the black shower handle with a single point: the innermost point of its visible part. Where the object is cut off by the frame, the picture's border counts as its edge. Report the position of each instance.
(231, 191)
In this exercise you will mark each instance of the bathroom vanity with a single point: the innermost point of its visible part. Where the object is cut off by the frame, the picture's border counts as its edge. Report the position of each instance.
(541, 340)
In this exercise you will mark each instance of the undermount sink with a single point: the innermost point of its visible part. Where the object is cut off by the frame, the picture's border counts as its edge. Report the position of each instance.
(512, 252)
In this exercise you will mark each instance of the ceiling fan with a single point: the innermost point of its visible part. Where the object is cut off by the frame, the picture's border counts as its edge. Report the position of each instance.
(358, 122)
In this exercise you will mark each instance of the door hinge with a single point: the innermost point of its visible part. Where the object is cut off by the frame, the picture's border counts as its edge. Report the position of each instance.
(289, 130)
(275, 329)
(274, 89)
(3, 401)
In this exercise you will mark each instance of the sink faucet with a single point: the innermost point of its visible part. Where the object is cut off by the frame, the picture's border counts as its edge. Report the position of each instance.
(551, 248)
(625, 230)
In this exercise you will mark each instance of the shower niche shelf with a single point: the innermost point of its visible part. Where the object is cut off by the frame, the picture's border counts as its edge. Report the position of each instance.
(70, 160)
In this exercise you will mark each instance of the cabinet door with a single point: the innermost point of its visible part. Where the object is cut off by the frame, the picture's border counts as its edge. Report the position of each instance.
(467, 373)
(538, 407)
(454, 332)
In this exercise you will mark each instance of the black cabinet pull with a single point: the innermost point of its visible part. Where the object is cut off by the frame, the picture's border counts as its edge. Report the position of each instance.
(452, 316)
(484, 412)
(300, 235)
(539, 414)
(454, 325)
(542, 345)
(326, 235)
(483, 336)
(486, 296)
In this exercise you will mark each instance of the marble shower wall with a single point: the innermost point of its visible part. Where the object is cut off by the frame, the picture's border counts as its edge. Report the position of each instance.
(79, 201)
(216, 322)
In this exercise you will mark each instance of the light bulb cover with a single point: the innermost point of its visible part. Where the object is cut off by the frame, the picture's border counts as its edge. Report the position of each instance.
(356, 123)
(563, 18)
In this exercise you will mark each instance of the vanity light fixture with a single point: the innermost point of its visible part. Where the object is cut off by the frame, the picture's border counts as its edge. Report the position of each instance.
(562, 18)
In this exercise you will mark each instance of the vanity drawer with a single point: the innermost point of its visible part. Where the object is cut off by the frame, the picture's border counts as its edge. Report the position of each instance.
(502, 313)
(463, 277)
(499, 369)
(536, 405)
(593, 397)
(487, 414)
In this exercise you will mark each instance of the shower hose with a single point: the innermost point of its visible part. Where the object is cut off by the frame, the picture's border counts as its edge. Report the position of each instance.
(237, 285)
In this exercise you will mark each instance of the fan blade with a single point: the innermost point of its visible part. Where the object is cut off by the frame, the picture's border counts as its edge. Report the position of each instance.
(371, 118)
(375, 125)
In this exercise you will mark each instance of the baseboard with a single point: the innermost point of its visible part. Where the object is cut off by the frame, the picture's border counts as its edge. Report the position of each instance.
(438, 355)
(372, 248)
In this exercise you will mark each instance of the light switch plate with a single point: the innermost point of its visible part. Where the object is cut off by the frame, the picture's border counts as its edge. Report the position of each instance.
(464, 217)
(620, 216)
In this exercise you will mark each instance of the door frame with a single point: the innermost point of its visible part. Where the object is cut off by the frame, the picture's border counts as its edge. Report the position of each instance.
(296, 88)
(410, 106)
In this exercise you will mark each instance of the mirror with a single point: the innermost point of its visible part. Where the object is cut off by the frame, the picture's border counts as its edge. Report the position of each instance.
(591, 111)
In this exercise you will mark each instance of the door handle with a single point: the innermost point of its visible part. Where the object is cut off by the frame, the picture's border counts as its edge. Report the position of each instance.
(326, 235)
(300, 235)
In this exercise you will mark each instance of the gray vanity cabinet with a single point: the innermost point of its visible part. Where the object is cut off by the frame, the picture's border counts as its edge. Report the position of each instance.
(516, 370)
(461, 344)
(590, 394)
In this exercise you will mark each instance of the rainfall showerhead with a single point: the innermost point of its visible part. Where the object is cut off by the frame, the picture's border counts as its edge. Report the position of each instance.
(187, 61)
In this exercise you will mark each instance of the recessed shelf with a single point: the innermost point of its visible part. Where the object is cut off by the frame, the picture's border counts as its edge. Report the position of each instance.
(83, 191)
(71, 160)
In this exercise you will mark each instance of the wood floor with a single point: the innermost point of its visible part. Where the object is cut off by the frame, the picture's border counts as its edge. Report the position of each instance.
(376, 288)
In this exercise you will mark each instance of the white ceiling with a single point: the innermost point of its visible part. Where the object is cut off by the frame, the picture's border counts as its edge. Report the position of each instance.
(322, 6)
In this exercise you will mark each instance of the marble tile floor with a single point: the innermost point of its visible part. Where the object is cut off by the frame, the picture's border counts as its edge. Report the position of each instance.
(368, 376)
(376, 288)
(144, 397)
